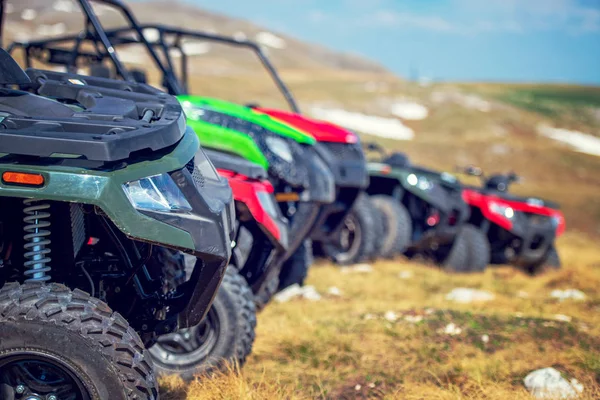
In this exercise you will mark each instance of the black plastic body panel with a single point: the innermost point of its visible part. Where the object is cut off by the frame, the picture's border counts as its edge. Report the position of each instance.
(236, 164)
(105, 120)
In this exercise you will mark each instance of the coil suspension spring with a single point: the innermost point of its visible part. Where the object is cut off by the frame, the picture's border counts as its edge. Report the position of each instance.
(37, 241)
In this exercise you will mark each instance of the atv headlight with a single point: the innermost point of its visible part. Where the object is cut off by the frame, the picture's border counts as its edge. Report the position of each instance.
(280, 148)
(505, 211)
(556, 221)
(268, 202)
(420, 182)
(156, 193)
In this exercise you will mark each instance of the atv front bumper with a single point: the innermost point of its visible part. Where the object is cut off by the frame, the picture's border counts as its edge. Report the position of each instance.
(533, 237)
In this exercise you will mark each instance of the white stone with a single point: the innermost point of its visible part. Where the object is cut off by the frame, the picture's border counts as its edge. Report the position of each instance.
(522, 294)
(369, 317)
(295, 291)
(405, 274)
(357, 268)
(390, 316)
(334, 291)
(452, 330)
(413, 318)
(372, 385)
(466, 295)
(548, 383)
(562, 317)
(357, 387)
(568, 294)
(485, 338)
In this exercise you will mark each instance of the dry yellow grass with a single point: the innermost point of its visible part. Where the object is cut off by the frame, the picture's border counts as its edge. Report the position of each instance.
(343, 347)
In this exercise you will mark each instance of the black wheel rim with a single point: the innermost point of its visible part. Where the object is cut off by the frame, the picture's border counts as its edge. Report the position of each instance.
(189, 346)
(34, 376)
(350, 237)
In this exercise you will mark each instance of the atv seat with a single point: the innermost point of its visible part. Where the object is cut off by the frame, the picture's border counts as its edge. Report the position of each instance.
(236, 164)
(399, 160)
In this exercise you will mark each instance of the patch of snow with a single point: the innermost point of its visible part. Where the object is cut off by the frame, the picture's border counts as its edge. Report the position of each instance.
(409, 110)
(389, 128)
(390, 316)
(548, 383)
(578, 141)
(469, 101)
(357, 268)
(452, 330)
(500, 149)
(28, 14)
(466, 295)
(485, 338)
(562, 317)
(334, 291)
(51, 30)
(196, 48)
(151, 34)
(568, 294)
(239, 35)
(64, 6)
(270, 40)
(405, 274)
(297, 291)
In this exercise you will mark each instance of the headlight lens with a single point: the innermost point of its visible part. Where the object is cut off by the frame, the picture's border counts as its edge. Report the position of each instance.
(156, 193)
(556, 221)
(268, 202)
(505, 211)
(420, 182)
(279, 146)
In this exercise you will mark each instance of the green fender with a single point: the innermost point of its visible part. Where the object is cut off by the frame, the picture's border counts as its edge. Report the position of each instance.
(233, 141)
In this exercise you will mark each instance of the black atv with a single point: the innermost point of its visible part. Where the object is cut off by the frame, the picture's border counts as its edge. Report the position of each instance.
(423, 213)
(102, 187)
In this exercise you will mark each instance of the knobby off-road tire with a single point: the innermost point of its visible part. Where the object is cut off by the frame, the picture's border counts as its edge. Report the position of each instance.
(479, 249)
(363, 239)
(457, 258)
(225, 336)
(550, 263)
(295, 269)
(396, 224)
(78, 332)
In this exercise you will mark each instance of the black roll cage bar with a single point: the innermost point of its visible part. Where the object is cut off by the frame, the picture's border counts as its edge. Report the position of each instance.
(105, 42)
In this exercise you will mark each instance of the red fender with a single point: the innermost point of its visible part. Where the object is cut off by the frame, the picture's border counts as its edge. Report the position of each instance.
(322, 131)
(246, 190)
(484, 201)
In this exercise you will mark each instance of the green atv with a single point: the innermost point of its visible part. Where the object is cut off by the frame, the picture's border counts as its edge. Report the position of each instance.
(103, 187)
(423, 212)
(302, 181)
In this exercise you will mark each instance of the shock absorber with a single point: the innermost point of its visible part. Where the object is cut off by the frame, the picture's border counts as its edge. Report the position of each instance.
(37, 241)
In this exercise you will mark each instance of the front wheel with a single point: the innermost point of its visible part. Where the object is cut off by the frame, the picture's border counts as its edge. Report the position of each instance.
(225, 335)
(551, 262)
(357, 236)
(63, 344)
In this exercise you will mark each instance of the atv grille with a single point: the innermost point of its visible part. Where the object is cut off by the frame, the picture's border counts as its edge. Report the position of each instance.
(345, 151)
(537, 219)
(196, 174)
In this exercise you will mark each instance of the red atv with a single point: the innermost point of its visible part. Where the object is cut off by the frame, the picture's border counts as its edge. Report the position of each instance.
(345, 229)
(519, 230)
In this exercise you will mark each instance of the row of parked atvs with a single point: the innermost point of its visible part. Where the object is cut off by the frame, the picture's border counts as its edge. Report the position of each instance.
(127, 249)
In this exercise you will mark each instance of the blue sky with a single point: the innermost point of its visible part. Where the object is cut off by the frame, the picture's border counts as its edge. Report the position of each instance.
(503, 40)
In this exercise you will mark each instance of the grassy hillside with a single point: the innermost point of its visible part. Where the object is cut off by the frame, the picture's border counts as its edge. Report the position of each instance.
(388, 336)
